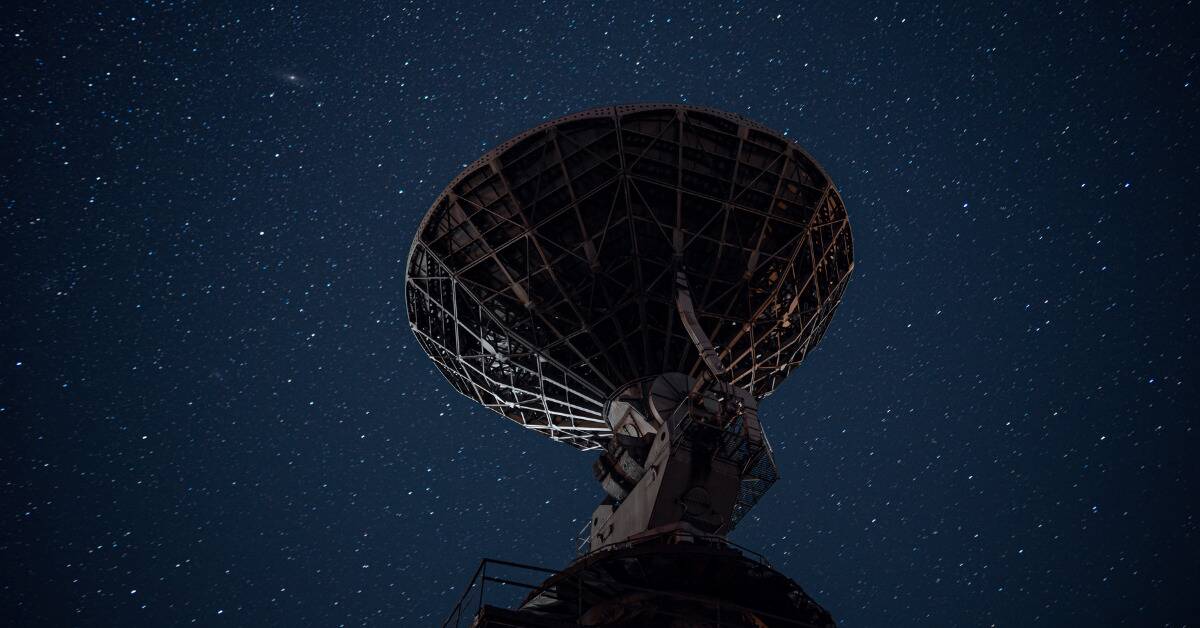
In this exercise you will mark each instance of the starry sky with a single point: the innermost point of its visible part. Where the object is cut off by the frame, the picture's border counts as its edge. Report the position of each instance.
(212, 411)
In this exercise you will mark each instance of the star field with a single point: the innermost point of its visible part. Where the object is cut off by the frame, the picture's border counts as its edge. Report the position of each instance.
(212, 411)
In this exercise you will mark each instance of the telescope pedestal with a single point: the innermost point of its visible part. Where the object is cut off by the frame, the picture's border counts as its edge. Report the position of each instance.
(675, 578)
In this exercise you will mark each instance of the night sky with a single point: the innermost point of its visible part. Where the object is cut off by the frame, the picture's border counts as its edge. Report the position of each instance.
(212, 410)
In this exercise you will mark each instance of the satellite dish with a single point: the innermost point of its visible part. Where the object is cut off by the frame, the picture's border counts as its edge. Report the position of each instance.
(546, 277)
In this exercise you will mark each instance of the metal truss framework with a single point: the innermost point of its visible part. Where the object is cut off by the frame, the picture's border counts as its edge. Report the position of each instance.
(543, 277)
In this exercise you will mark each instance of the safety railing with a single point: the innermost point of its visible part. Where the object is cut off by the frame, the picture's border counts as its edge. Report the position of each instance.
(507, 588)
(505, 584)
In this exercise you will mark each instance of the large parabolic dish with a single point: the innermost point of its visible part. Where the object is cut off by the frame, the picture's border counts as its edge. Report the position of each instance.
(543, 279)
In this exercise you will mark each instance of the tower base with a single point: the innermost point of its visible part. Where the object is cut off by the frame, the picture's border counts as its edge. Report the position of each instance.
(665, 579)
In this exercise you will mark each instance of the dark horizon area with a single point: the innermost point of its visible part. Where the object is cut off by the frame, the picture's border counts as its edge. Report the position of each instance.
(213, 411)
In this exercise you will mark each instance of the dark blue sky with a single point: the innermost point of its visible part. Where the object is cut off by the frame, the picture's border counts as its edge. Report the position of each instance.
(213, 411)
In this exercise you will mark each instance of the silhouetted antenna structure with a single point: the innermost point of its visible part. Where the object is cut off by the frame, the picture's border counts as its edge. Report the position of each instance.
(634, 279)
(543, 278)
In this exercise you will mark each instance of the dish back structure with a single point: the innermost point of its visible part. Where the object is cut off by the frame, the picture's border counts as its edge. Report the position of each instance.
(545, 278)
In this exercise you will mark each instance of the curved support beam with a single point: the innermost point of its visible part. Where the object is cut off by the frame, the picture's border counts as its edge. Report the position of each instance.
(687, 314)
